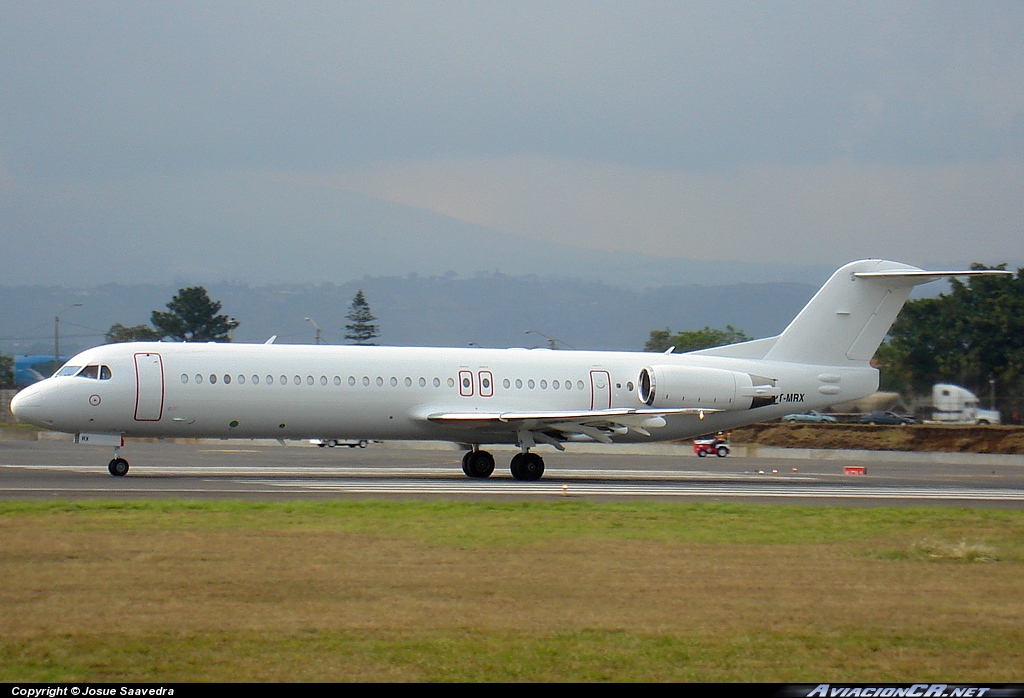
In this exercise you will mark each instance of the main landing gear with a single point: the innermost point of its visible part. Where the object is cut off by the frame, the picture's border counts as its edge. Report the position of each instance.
(525, 466)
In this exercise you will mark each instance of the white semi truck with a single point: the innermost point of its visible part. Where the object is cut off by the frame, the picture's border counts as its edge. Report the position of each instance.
(952, 404)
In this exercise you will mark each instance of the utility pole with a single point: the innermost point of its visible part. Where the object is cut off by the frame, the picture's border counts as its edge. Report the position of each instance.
(56, 335)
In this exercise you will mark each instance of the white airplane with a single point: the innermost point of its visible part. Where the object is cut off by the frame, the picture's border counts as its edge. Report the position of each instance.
(475, 396)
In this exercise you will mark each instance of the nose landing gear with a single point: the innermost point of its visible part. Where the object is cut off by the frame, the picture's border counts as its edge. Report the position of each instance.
(118, 467)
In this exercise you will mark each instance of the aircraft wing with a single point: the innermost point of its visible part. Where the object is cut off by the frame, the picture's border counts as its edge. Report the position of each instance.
(598, 425)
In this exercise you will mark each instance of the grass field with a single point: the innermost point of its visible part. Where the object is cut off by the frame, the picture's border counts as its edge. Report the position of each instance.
(457, 591)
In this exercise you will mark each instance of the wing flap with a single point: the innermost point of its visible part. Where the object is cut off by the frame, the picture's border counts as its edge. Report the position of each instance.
(625, 416)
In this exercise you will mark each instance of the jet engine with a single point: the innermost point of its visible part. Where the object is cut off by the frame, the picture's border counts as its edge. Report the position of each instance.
(708, 388)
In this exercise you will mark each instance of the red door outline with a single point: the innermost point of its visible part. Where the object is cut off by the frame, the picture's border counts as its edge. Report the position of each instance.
(466, 383)
(600, 390)
(149, 387)
(486, 383)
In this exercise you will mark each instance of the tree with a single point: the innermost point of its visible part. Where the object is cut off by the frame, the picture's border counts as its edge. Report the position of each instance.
(692, 340)
(193, 318)
(6, 371)
(361, 329)
(139, 333)
(970, 336)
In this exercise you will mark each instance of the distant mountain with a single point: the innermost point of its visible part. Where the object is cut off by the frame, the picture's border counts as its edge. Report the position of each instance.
(491, 309)
(258, 230)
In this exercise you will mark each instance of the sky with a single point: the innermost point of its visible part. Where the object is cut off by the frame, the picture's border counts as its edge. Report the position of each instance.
(324, 141)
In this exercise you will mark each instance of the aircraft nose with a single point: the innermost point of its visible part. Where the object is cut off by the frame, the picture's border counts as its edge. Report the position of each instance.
(27, 406)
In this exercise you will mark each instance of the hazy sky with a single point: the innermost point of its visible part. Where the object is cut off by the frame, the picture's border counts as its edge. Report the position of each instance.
(302, 141)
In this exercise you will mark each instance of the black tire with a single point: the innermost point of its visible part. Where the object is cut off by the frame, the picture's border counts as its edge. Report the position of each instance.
(722, 451)
(702, 453)
(465, 463)
(118, 467)
(528, 467)
(363, 443)
(479, 464)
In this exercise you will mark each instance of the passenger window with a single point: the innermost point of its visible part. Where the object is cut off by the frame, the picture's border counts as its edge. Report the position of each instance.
(519, 383)
(423, 382)
(437, 382)
(184, 378)
(309, 380)
(543, 385)
(227, 379)
(284, 380)
(506, 383)
(199, 378)
(241, 379)
(255, 379)
(408, 382)
(554, 385)
(451, 382)
(530, 384)
(394, 381)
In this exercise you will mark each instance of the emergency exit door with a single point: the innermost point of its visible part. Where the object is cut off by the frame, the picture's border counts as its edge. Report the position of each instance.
(600, 390)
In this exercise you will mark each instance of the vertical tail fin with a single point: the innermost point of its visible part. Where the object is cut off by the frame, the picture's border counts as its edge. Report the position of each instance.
(848, 318)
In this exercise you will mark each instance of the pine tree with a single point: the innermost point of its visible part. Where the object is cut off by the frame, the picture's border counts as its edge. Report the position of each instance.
(193, 318)
(361, 329)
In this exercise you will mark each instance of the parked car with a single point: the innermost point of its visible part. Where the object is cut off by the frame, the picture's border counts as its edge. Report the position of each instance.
(812, 417)
(351, 443)
(889, 418)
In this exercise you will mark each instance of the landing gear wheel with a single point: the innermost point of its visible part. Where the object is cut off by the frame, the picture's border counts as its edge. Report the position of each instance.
(118, 467)
(478, 464)
(527, 466)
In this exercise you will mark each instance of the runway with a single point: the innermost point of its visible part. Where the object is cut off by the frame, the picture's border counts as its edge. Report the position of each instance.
(33, 470)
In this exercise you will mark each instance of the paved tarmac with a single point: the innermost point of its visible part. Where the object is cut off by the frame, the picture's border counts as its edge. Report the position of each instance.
(267, 470)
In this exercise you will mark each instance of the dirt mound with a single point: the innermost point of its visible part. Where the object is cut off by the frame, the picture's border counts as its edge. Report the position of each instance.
(953, 439)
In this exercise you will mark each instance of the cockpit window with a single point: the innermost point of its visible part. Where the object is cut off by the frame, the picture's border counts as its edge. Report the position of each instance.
(68, 370)
(96, 372)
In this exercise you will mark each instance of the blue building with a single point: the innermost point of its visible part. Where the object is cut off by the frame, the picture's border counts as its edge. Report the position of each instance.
(29, 369)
